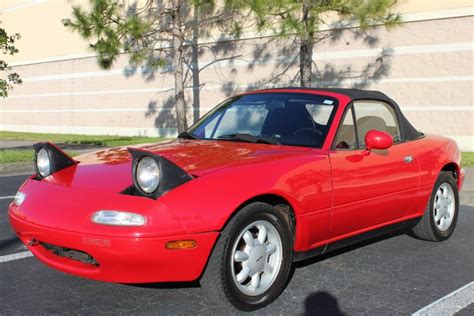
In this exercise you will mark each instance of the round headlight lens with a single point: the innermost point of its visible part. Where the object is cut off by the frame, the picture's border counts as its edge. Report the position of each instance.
(148, 174)
(43, 164)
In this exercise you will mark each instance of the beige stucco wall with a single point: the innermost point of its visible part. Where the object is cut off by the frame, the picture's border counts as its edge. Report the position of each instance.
(427, 66)
(44, 36)
(39, 23)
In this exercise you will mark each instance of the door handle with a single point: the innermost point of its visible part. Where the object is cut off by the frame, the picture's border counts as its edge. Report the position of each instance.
(408, 159)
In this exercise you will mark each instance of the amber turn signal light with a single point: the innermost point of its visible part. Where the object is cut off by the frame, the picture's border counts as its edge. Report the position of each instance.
(181, 244)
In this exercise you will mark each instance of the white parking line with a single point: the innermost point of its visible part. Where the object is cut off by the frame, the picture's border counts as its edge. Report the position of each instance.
(16, 256)
(451, 303)
(7, 197)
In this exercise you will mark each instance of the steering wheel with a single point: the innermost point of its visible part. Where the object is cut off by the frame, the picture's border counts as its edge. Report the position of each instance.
(315, 131)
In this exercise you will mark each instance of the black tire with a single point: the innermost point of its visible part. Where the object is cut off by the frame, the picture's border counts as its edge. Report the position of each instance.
(427, 229)
(217, 280)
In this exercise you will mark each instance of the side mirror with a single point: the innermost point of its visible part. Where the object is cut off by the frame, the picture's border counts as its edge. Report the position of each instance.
(375, 139)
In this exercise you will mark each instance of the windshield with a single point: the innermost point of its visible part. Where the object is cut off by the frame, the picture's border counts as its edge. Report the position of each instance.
(294, 119)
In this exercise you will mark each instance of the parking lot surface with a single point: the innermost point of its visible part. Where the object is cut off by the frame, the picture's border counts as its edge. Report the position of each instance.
(395, 275)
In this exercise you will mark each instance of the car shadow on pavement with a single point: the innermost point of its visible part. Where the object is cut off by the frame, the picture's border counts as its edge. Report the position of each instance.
(321, 303)
(8, 242)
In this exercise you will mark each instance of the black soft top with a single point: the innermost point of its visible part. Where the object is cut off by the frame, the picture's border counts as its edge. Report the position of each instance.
(408, 132)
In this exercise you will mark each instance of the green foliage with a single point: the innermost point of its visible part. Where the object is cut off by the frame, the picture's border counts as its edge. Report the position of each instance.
(7, 47)
(112, 30)
(467, 159)
(140, 28)
(153, 33)
(15, 156)
(304, 18)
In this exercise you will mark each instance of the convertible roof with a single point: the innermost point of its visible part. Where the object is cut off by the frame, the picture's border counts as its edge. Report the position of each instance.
(353, 94)
(408, 132)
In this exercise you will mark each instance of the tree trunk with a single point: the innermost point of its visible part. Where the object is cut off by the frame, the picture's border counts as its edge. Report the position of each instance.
(306, 62)
(178, 62)
(195, 69)
(179, 86)
(306, 46)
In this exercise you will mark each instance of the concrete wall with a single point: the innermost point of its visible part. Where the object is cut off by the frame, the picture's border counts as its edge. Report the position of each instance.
(426, 65)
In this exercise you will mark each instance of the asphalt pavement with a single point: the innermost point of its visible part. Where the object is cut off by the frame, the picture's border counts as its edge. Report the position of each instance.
(392, 275)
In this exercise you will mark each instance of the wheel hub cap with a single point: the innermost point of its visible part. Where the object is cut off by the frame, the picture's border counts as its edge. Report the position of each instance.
(444, 207)
(257, 256)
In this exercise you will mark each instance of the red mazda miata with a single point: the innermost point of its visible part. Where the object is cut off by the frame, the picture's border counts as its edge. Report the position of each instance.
(265, 179)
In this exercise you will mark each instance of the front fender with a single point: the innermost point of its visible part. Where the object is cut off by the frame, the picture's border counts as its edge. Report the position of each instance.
(207, 203)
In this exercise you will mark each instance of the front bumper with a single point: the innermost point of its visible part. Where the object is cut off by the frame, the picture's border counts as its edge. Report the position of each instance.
(118, 259)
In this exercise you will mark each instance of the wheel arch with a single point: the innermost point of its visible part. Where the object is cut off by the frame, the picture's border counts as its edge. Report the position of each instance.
(454, 168)
(276, 200)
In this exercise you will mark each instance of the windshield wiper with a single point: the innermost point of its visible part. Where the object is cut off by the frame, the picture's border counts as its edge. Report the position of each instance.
(249, 138)
(187, 135)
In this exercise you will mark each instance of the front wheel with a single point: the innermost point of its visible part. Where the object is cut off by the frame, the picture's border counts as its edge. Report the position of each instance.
(251, 261)
(441, 214)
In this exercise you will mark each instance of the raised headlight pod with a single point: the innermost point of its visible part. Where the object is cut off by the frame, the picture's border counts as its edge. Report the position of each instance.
(118, 218)
(154, 175)
(49, 159)
(148, 174)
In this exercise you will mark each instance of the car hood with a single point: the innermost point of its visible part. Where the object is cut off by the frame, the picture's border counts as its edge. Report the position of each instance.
(110, 169)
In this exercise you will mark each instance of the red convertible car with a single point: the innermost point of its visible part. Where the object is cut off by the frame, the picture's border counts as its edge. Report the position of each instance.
(265, 179)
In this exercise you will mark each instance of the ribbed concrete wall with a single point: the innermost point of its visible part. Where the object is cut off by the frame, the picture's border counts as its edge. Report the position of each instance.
(426, 65)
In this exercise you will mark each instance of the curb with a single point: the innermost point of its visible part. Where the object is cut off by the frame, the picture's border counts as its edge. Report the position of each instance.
(16, 168)
(466, 197)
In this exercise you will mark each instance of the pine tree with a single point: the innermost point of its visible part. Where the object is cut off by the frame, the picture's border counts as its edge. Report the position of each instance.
(155, 33)
(303, 19)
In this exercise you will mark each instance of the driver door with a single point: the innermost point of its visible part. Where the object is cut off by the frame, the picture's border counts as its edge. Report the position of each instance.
(370, 189)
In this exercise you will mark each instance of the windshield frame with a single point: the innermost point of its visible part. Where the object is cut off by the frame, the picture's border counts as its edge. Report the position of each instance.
(231, 100)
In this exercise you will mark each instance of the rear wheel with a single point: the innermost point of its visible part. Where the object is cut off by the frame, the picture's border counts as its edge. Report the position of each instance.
(251, 261)
(440, 218)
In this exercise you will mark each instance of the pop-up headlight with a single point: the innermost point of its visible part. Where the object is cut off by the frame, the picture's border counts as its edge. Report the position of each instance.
(49, 159)
(154, 175)
(148, 174)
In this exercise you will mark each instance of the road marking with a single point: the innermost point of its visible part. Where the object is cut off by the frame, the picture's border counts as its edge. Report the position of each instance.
(451, 303)
(7, 197)
(16, 256)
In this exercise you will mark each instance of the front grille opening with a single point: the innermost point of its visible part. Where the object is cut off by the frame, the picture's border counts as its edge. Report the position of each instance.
(72, 254)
